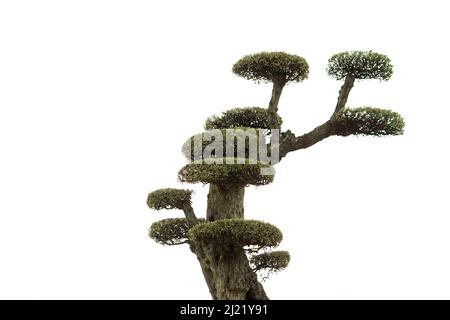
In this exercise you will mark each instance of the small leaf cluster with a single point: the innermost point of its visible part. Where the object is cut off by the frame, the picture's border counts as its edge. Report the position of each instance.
(251, 117)
(361, 65)
(170, 231)
(368, 121)
(227, 171)
(169, 198)
(270, 261)
(237, 233)
(277, 67)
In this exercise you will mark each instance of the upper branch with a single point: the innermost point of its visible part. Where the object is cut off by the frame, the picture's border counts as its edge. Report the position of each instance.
(281, 69)
(273, 105)
(369, 121)
(170, 198)
(189, 214)
(344, 92)
(289, 142)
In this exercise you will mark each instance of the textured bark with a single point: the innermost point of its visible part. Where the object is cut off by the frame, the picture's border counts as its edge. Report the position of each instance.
(189, 214)
(226, 269)
(344, 92)
(225, 202)
(228, 274)
(206, 269)
(273, 104)
(289, 142)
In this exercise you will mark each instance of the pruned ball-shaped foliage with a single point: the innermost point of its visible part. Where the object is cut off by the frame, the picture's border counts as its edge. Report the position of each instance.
(368, 121)
(237, 233)
(171, 231)
(227, 171)
(270, 261)
(220, 143)
(252, 117)
(278, 67)
(361, 65)
(169, 198)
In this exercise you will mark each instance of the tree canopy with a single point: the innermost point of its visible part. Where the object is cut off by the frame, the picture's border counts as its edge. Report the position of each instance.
(230, 249)
(277, 67)
(237, 232)
(223, 173)
(360, 65)
(251, 117)
(169, 198)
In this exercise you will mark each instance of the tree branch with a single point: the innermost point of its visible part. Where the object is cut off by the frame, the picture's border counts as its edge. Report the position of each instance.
(189, 214)
(344, 92)
(273, 104)
(289, 142)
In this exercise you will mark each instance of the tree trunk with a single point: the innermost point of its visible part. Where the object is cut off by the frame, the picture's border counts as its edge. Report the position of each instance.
(225, 202)
(226, 269)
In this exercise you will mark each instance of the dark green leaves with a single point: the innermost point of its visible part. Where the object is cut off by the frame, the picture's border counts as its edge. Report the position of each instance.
(270, 262)
(360, 64)
(170, 231)
(224, 173)
(225, 142)
(368, 121)
(278, 67)
(237, 233)
(253, 117)
(169, 198)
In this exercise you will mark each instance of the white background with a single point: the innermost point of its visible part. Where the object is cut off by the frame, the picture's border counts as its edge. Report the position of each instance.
(97, 97)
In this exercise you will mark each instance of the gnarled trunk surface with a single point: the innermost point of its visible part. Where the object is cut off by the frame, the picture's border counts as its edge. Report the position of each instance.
(226, 269)
(225, 202)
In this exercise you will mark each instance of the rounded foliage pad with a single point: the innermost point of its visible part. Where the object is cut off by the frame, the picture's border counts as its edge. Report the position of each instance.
(237, 233)
(271, 261)
(252, 117)
(169, 198)
(170, 231)
(368, 121)
(360, 64)
(278, 67)
(223, 173)
(238, 142)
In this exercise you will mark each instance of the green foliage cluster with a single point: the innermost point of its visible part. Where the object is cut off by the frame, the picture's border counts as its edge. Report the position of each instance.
(278, 67)
(368, 121)
(360, 64)
(252, 117)
(171, 231)
(237, 233)
(169, 198)
(230, 139)
(270, 261)
(222, 173)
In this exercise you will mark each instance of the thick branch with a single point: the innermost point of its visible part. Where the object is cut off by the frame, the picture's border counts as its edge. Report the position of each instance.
(190, 215)
(289, 142)
(273, 104)
(344, 92)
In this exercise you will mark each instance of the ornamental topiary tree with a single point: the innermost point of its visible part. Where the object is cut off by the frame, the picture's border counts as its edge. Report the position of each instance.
(232, 251)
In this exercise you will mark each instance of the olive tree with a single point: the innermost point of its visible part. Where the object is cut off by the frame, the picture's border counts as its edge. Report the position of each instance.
(231, 250)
